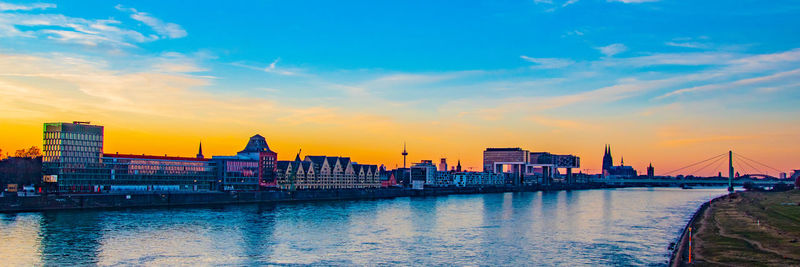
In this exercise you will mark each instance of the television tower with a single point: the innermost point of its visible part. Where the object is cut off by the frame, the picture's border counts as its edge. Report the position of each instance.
(405, 153)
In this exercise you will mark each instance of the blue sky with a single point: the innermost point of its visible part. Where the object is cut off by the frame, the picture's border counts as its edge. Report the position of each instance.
(652, 77)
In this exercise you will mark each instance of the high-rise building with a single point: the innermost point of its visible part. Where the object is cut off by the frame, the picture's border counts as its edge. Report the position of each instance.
(72, 155)
(443, 165)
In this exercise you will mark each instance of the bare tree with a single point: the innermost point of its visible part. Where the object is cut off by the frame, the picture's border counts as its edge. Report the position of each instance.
(33, 152)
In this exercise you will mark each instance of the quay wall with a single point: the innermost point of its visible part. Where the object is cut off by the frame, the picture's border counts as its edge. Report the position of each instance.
(172, 198)
(680, 252)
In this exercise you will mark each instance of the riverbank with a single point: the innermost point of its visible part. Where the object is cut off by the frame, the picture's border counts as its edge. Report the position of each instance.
(176, 198)
(744, 229)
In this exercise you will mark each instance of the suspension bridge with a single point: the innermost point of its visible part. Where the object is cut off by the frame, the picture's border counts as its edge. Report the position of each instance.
(739, 171)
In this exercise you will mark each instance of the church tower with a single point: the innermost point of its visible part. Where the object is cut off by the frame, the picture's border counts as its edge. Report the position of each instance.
(607, 159)
(200, 151)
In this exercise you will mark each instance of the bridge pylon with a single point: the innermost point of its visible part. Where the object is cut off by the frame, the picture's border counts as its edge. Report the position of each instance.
(730, 171)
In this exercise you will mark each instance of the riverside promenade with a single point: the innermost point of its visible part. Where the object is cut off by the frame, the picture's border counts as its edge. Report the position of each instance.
(744, 229)
(178, 198)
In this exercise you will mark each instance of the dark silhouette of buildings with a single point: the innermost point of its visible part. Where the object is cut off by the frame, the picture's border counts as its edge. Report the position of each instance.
(611, 171)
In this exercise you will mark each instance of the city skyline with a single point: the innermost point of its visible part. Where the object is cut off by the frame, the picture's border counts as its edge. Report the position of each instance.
(450, 81)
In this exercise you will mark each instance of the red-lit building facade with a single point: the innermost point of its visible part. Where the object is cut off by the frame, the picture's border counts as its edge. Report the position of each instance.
(164, 173)
(251, 169)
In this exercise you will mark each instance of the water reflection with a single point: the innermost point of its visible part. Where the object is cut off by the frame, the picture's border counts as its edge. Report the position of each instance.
(607, 227)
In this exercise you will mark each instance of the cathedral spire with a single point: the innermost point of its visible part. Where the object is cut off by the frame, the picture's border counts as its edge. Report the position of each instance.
(200, 151)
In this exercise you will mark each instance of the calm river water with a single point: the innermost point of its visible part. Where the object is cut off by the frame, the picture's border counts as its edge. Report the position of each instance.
(631, 226)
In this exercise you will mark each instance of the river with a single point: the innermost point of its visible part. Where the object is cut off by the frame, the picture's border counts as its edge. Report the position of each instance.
(630, 226)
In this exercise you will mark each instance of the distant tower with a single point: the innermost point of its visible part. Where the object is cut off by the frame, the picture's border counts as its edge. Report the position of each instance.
(443, 165)
(200, 151)
(651, 172)
(621, 161)
(607, 160)
(458, 168)
(405, 153)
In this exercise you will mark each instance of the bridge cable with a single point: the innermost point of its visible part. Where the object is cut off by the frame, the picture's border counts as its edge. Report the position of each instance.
(697, 172)
(693, 164)
(739, 167)
(717, 169)
(751, 166)
(762, 164)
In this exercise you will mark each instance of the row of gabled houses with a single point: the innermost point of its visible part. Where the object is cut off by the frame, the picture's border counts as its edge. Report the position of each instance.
(323, 172)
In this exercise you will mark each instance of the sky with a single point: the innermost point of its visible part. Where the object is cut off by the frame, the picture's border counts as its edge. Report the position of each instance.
(664, 82)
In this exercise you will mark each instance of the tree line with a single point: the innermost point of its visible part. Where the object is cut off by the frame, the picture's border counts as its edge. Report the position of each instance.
(24, 167)
(32, 152)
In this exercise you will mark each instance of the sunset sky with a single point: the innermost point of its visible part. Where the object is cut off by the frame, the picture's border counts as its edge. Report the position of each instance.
(667, 82)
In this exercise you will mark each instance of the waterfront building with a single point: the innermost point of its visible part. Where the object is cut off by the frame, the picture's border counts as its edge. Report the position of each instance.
(252, 168)
(525, 167)
(651, 172)
(145, 173)
(423, 172)
(611, 171)
(471, 179)
(323, 172)
(236, 173)
(388, 178)
(72, 155)
(403, 176)
(443, 178)
(511, 160)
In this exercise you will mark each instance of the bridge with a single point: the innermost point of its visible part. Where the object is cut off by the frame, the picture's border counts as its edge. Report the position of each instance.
(714, 181)
(749, 171)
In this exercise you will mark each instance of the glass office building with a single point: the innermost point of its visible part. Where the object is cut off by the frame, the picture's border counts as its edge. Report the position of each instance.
(145, 173)
(72, 155)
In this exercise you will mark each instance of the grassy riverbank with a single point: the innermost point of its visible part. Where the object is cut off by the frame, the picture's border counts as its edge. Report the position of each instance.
(749, 229)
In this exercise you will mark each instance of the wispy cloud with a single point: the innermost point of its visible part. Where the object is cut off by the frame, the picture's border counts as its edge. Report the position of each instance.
(569, 2)
(612, 49)
(548, 63)
(272, 68)
(164, 29)
(687, 44)
(791, 75)
(89, 32)
(10, 7)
